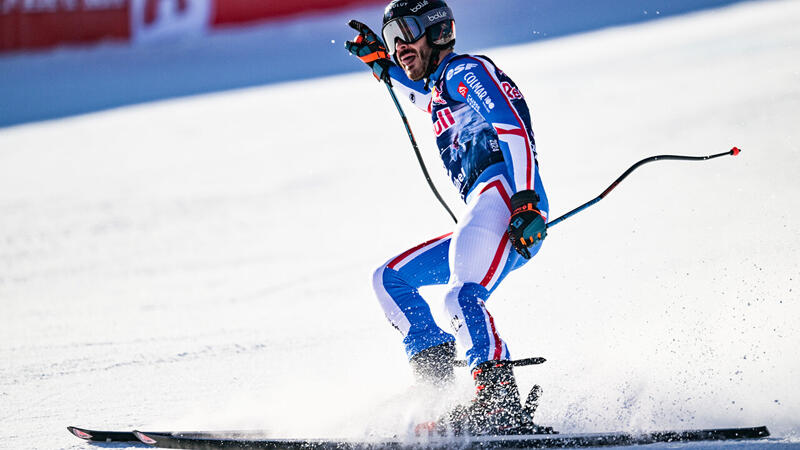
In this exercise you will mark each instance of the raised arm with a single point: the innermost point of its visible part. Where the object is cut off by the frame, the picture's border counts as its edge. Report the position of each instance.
(368, 47)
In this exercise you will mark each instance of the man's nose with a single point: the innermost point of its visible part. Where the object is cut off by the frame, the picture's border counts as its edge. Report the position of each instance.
(400, 44)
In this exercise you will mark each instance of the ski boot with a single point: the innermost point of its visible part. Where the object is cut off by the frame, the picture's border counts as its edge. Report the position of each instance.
(434, 366)
(434, 375)
(496, 408)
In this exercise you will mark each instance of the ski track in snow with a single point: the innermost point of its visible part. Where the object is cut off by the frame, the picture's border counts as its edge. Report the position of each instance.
(205, 262)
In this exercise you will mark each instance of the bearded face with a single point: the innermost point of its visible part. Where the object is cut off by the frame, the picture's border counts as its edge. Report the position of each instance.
(414, 57)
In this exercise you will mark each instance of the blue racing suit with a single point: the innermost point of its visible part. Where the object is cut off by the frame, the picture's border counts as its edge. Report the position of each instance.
(483, 131)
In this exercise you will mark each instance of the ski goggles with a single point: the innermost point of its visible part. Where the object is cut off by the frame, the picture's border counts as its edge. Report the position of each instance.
(411, 28)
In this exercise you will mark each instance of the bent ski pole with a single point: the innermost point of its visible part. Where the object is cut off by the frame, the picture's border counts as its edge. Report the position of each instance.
(734, 151)
(416, 151)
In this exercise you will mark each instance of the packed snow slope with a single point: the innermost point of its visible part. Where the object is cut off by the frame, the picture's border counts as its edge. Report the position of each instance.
(206, 262)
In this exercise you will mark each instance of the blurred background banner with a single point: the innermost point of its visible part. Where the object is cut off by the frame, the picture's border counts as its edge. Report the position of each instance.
(27, 24)
(60, 58)
(230, 12)
(36, 24)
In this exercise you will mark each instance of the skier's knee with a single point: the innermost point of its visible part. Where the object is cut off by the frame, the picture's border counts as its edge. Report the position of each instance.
(461, 293)
(377, 278)
(461, 300)
(390, 279)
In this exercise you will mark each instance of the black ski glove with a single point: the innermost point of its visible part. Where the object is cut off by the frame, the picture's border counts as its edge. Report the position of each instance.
(527, 226)
(370, 49)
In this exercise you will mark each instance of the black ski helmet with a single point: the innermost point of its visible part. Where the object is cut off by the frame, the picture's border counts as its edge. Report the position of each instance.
(410, 19)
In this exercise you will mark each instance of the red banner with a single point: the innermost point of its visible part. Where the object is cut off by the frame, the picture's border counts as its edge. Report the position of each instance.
(228, 12)
(31, 24)
(43, 23)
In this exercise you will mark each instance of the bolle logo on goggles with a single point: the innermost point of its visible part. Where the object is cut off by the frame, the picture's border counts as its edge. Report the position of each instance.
(437, 16)
(419, 6)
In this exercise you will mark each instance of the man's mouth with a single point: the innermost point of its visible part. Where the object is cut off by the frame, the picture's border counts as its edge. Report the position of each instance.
(407, 58)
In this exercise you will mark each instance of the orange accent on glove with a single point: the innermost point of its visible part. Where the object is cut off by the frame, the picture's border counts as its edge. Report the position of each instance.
(373, 56)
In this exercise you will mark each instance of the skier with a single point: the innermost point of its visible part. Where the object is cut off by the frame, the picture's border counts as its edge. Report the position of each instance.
(483, 131)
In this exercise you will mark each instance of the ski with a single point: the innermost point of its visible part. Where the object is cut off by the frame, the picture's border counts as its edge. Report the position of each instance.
(129, 436)
(209, 442)
(103, 436)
